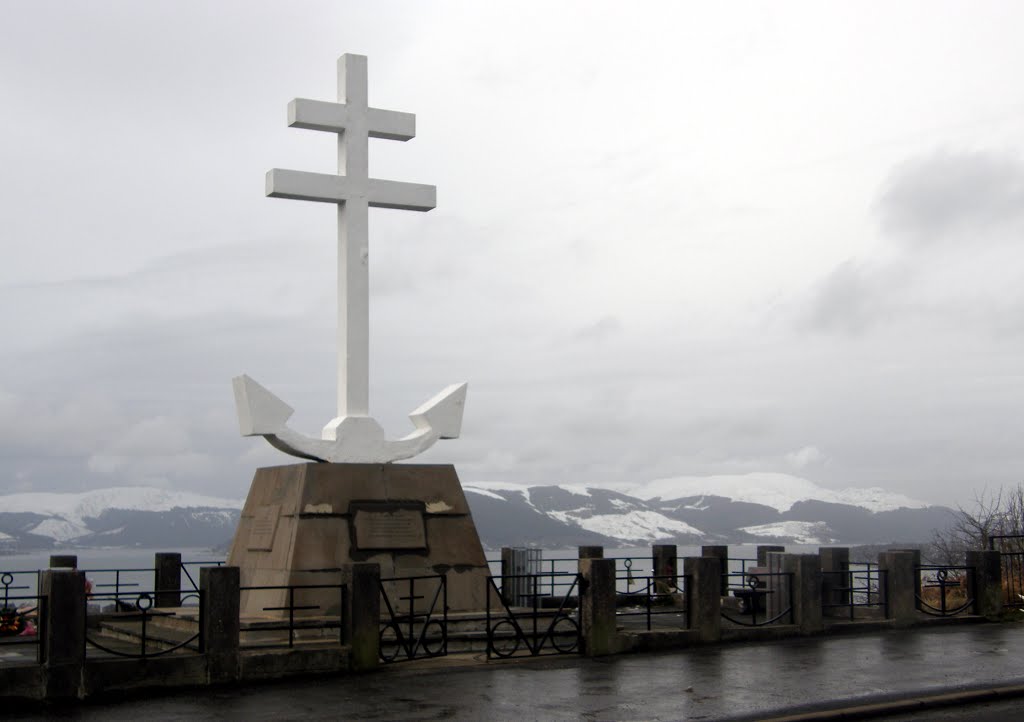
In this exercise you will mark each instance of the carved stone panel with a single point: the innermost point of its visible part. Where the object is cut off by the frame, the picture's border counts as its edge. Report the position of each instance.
(264, 524)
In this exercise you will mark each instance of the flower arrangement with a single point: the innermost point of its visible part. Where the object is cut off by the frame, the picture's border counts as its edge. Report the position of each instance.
(12, 622)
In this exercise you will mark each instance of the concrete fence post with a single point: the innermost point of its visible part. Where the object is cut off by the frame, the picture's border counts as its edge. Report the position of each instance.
(805, 571)
(763, 550)
(835, 582)
(219, 617)
(597, 606)
(591, 552)
(362, 615)
(63, 631)
(899, 585)
(781, 590)
(508, 570)
(666, 565)
(703, 579)
(167, 579)
(721, 553)
(916, 554)
(63, 561)
(986, 582)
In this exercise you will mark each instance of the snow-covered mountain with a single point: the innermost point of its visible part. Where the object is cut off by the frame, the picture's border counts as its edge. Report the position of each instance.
(755, 508)
(779, 491)
(123, 516)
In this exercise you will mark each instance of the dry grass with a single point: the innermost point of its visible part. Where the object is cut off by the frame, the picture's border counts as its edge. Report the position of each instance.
(956, 590)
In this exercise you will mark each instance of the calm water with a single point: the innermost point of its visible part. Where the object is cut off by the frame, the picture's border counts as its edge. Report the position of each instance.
(101, 566)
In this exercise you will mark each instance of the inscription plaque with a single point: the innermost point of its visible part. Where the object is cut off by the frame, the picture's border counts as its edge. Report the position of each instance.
(264, 524)
(390, 528)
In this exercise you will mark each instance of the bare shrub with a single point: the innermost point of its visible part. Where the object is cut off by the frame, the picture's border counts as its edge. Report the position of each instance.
(993, 513)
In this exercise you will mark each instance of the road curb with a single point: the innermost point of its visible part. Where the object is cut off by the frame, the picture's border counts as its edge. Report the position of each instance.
(917, 703)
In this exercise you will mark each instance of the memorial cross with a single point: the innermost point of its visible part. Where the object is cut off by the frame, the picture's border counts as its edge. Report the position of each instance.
(355, 193)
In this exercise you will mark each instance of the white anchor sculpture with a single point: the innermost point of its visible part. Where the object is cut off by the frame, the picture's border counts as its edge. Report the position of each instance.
(354, 436)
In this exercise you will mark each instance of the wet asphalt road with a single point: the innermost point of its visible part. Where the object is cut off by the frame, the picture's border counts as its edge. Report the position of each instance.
(737, 681)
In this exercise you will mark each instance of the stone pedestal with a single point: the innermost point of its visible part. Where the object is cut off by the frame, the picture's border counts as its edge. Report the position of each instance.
(303, 522)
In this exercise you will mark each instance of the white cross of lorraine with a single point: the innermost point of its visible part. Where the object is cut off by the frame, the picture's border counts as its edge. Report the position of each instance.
(353, 435)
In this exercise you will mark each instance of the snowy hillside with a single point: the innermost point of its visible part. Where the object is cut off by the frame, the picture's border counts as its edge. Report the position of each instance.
(753, 508)
(75, 508)
(779, 491)
(123, 516)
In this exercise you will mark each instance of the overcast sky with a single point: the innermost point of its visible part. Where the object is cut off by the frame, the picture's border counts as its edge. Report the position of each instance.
(671, 239)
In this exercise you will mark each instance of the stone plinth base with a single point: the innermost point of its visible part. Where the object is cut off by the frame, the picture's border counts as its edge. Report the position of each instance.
(302, 524)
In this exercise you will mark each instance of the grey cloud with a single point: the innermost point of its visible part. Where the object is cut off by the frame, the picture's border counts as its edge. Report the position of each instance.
(950, 220)
(850, 299)
(970, 195)
(600, 330)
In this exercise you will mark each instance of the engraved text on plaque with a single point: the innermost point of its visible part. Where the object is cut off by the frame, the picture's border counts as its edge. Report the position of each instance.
(264, 524)
(390, 528)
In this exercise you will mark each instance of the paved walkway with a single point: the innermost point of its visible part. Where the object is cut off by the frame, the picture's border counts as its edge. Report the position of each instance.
(734, 681)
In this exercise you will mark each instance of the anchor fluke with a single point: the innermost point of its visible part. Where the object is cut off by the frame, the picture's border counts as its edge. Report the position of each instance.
(259, 411)
(443, 413)
(349, 439)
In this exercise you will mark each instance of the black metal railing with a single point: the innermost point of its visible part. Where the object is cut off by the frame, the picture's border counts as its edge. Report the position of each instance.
(123, 638)
(193, 584)
(953, 585)
(535, 629)
(306, 621)
(28, 581)
(630, 570)
(558, 571)
(764, 598)
(740, 565)
(869, 575)
(414, 634)
(659, 600)
(122, 582)
(856, 588)
(22, 617)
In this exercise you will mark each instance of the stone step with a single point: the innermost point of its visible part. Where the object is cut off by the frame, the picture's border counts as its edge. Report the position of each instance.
(466, 631)
(126, 636)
